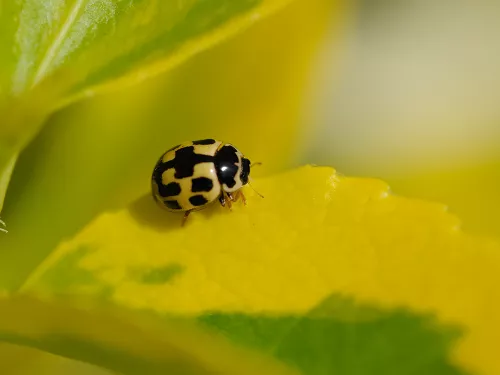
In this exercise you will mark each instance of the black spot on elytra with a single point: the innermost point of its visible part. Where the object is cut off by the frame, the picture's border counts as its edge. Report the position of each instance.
(225, 164)
(201, 184)
(198, 200)
(173, 148)
(184, 162)
(169, 190)
(204, 142)
(172, 204)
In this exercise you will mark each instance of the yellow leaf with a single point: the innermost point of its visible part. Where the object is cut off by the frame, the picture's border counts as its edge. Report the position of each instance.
(315, 233)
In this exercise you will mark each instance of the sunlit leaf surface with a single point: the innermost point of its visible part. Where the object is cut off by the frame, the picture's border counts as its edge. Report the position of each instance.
(321, 261)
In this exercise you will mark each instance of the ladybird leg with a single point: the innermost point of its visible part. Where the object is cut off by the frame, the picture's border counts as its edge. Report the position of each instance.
(243, 199)
(229, 204)
(238, 195)
(222, 200)
(186, 214)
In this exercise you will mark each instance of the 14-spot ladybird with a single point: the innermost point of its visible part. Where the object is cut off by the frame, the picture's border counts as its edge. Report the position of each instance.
(194, 174)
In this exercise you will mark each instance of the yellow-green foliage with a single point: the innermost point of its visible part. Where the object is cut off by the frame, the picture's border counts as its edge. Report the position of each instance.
(326, 275)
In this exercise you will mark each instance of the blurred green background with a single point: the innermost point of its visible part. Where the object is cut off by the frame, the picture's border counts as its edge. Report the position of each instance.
(417, 104)
(407, 92)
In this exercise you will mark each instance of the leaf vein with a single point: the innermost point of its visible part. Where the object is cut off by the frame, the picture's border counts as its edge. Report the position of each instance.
(56, 44)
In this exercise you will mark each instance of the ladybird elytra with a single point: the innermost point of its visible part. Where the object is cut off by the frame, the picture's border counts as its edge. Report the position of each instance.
(192, 175)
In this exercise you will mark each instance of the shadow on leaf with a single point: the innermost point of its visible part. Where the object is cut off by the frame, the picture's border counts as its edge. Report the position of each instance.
(147, 213)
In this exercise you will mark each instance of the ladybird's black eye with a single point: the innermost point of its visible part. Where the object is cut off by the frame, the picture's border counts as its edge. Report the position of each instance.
(245, 170)
(226, 161)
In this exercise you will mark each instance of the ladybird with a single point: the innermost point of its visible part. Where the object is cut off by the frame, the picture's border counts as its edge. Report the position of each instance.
(192, 175)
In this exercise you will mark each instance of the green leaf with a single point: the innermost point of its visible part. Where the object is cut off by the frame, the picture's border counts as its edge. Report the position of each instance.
(96, 43)
(55, 52)
(340, 336)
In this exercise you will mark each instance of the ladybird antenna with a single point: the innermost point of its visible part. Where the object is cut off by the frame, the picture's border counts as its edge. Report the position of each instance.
(254, 164)
(259, 194)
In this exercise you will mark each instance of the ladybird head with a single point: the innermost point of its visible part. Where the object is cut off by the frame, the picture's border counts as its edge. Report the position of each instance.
(232, 168)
